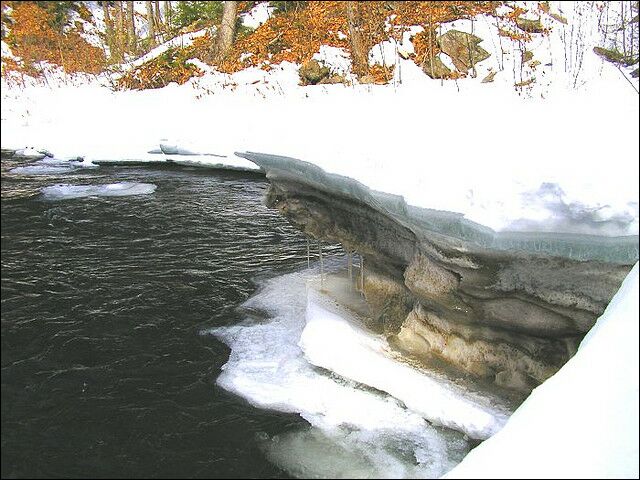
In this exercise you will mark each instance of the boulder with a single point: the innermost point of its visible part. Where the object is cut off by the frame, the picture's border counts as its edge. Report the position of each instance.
(614, 56)
(311, 72)
(463, 48)
(332, 79)
(489, 77)
(435, 68)
(558, 17)
(529, 26)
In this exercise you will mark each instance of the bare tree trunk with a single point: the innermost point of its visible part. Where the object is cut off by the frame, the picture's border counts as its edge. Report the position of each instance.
(226, 31)
(109, 26)
(158, 19)
(131, 28)
(167, 13)
(358, 49)
(120, 31)
(151, 22)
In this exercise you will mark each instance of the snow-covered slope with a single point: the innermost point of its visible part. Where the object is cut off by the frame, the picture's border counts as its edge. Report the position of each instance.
(583, 421)
(505, 158)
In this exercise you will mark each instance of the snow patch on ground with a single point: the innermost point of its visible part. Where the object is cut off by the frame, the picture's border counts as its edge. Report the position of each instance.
(336, 59)
(257, 15)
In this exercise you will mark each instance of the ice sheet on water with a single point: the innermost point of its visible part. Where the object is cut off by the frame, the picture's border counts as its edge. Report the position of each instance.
(362, 356)
(268, 368)
(51, 166)
(121, 189)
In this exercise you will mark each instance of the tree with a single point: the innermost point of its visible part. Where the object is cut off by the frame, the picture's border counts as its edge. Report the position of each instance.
(151, 22)
(109, 27)
(358, 49)
(167, 14)
(157, 19)
(226, 31)
(204, 13)
(131, 28)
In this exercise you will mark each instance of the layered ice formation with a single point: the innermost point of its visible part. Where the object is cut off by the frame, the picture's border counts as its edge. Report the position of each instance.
(355, 430)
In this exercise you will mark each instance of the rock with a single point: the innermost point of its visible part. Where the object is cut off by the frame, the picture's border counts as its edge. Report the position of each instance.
(558, 17)
(28, 154)
(525, 83)
(463, 48)
(311, 72)
(332, 80)
(614, 56)
(489, 77)
(368, 78)
(8, 152)
(529, 26)
(511, 316)
(435, 68)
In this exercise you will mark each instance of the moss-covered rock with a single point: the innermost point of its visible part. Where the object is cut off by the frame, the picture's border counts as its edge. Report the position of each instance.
(435, 68)
(312, 72)
(463, 48)
(529, 26)
(615, 56)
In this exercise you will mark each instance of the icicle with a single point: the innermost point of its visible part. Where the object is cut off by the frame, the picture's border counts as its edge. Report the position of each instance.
(308, 254)
(321, 264)
(362, 275)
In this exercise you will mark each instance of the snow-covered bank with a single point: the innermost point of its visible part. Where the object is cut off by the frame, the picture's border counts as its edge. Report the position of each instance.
(583, 421)
(510, 168)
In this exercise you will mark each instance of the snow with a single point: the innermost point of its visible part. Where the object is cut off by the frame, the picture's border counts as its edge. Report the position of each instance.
(257, 15)
(560, 156)
(367, 358)
(336, 59)
(121, 189)
(583, 421)
(6, 51)
(51, 166)
(183, 40)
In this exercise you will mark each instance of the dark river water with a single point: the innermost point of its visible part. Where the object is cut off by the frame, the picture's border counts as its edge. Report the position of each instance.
(106, 369)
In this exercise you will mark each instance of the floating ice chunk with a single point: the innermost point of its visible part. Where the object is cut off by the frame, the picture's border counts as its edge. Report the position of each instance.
(267, 367)
(175, 148)
(51, 166)
(331, 340)
(65, 191)
(30, 153)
